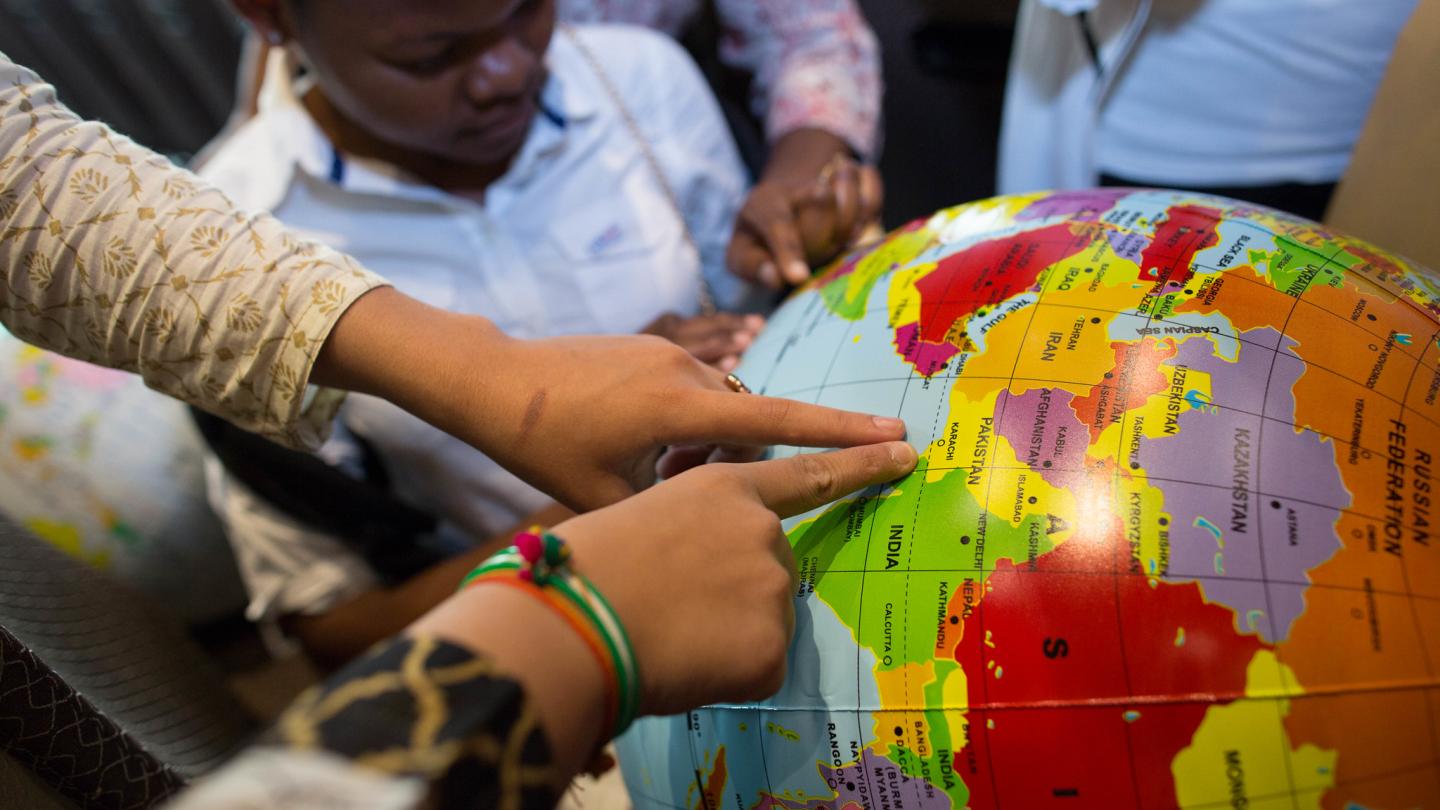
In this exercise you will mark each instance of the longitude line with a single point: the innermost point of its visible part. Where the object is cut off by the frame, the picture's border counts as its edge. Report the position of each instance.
(1260, 523)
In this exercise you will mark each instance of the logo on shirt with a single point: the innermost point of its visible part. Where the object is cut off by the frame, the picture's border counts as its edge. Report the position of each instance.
(605, 240)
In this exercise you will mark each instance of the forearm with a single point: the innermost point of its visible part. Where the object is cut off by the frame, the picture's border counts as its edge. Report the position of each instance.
(524, 638)
(421, 722)
(417, 357)
(345, 631)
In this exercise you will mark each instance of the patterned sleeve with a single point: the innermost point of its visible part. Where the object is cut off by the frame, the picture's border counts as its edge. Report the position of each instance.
(816, 63)
(417, 723)
(114, 256)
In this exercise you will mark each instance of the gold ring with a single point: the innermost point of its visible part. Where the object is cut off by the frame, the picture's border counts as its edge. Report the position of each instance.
(733, 383)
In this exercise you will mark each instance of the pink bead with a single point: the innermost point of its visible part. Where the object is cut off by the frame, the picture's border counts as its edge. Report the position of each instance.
(530, 547)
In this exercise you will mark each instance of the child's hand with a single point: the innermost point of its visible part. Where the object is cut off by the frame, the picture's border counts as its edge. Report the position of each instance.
(717, 340)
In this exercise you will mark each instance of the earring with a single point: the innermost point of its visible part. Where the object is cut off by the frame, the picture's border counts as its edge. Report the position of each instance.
(274, 38)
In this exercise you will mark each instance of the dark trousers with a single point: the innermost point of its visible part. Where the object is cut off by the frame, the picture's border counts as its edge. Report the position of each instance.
(1305, 199)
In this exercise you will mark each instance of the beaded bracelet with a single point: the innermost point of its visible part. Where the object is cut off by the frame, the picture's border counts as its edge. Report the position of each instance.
(538, 563)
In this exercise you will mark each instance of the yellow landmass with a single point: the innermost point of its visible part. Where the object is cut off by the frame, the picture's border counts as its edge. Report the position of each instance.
(1239, 750)
(1155, 409)
(1146, 524)
(903, 303)
(971, 404)
(902, 689)
(1017, 492)
(1064, 349)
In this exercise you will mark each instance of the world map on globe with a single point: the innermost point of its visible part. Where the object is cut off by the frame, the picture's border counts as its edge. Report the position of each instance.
(1171, 540)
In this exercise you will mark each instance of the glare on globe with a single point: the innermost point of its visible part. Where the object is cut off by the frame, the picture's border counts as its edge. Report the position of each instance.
(1172, 540)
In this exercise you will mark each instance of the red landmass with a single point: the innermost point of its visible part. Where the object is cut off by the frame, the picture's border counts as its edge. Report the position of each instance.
(1066, 660)
(989, 272)
(1187, 230)
(1135, 377)
(714, 796)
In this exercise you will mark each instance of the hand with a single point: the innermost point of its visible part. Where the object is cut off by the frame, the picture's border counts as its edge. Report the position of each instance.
(813, 201)
(717, 340)
(702, 576)
(582, 418)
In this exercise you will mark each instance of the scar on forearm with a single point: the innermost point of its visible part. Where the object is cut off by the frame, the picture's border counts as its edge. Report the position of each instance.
(532, 414)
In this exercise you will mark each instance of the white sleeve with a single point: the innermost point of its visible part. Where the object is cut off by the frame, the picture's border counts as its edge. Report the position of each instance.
(288, 568)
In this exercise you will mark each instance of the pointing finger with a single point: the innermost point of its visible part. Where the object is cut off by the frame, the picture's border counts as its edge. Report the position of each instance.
(797, 484)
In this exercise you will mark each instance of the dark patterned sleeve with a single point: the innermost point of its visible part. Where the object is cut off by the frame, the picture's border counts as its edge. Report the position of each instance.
(417, 722)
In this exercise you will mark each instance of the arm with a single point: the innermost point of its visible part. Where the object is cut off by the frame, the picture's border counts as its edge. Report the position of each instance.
(582, 419)
(114, 256)
(351, 627)
(816, 65)
(817, 72)
(465, 704)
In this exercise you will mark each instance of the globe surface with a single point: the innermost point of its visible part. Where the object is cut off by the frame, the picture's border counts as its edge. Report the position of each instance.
(109, 472)
(1171, 541)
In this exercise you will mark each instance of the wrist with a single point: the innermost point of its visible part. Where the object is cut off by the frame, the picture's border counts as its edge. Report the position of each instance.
(798, 157)
(428, 361)
(563, 683)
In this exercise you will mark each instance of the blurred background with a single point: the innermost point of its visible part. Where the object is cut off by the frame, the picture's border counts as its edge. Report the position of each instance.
(164, 73)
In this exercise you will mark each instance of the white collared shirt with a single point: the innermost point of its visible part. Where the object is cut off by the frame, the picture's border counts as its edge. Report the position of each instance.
(578, 237)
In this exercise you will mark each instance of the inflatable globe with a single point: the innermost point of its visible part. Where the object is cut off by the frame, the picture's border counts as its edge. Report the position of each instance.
(109, 472)
(1173, 540)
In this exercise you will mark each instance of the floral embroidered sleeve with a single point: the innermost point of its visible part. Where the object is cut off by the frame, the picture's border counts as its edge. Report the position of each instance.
(115, 256)
(416, 723)
(816, 64)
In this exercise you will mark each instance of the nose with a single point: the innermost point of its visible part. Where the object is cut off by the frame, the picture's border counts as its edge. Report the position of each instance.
(500, 72)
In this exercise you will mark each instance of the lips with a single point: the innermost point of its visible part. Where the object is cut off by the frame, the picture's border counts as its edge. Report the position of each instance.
(503, 124)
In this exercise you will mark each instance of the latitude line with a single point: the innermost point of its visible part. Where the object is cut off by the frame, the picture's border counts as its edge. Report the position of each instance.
(1122, 701)
(1207, 485)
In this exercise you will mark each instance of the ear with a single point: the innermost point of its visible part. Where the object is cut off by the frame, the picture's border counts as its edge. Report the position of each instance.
(267, 18)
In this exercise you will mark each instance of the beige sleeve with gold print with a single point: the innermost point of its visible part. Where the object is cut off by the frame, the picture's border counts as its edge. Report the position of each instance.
(113, 255)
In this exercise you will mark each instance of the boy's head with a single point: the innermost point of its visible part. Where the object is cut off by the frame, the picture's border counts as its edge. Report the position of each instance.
(457, 80)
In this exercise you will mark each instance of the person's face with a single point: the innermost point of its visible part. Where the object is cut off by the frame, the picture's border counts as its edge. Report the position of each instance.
(454, 79)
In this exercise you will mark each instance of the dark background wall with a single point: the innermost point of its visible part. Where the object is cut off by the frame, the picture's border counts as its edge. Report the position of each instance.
(160, 71)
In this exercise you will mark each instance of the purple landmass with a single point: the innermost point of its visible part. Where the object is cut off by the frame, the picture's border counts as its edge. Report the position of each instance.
(927, 357)
(1128, 244)
(1238, 386)
(1212, 469)
(853, 784)
(1084, 206)
(1045, 433)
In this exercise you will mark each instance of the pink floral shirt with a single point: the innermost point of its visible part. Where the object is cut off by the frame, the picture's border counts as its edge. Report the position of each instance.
(816, 62)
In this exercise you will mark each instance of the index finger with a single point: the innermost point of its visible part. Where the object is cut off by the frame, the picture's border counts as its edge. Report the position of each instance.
(790, 486)
(724, 417)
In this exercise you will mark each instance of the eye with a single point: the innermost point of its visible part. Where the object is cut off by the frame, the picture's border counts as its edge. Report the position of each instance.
(427, 64)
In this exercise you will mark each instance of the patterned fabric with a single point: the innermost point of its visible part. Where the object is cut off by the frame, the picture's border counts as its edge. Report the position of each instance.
(56, 733)
(419, 708)
(114, 256)
(815, 63)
